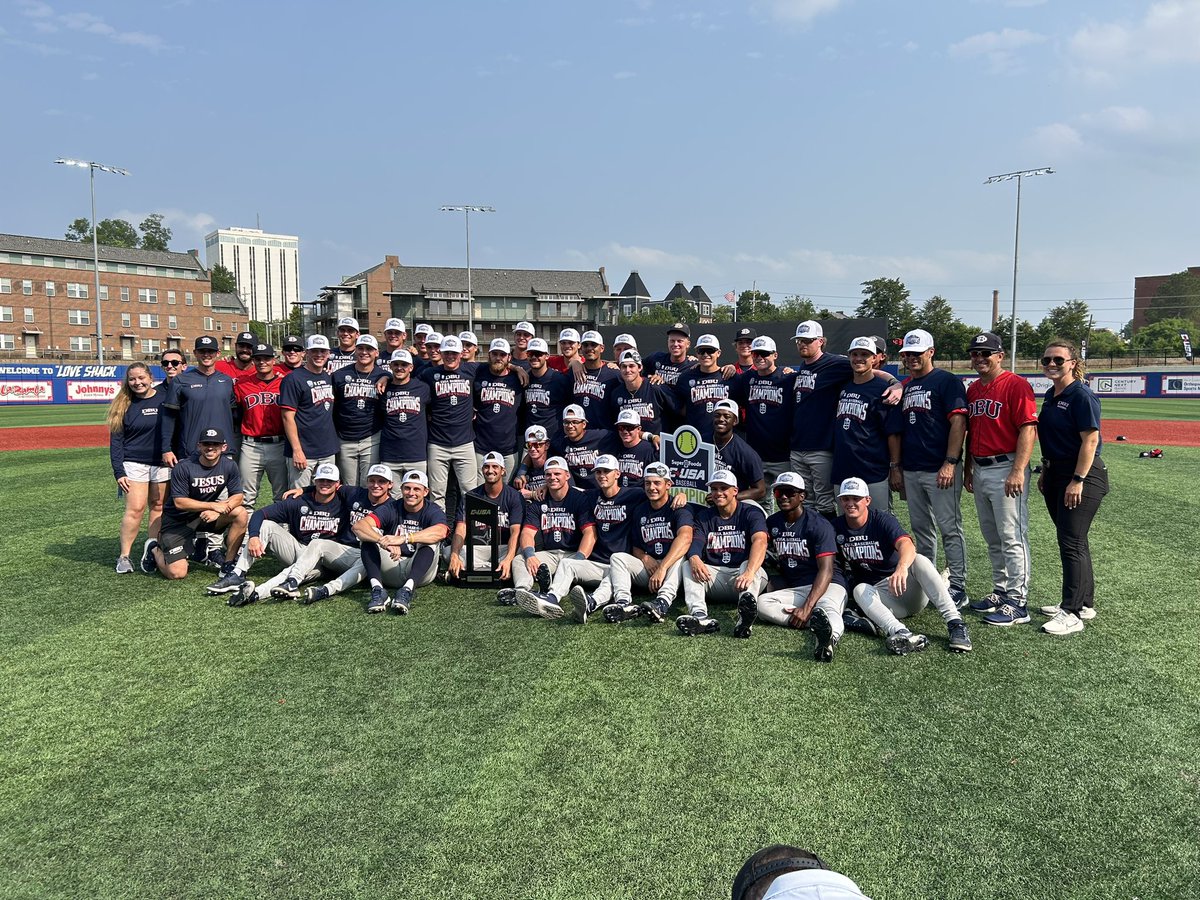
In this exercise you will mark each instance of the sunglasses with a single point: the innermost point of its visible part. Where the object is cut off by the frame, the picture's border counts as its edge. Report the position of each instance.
(628, 427)
(536, 354)
(786, 492)
(705, 351)
(761, 353)
(805, 340)
(172, 363)
(986, 354)
(536, 443)
(1056, 360)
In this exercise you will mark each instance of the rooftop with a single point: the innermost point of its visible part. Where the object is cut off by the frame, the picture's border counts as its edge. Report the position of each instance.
(35, 246)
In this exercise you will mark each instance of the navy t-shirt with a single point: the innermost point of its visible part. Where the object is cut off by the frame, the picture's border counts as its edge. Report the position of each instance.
(192, 479)
(595, 394)
(612, 516)
(659, 363)
(393, 518)
(726, 542)
(861, 426)
(1063, 417)
(650, 401)
(654, 530)
(338, 360)
(545, 399)
(869, 554)
(631, 460)
(814, 398)
(451, 412)
(140, 438)
(560, 523)
(357, 412)
(195, 402)
(697, 393)
(498, 401)
(510, 502)
(798, 545)
(767, 401)
(306, 519)
(358, 505)
(405, 435)
(739, 458)
(581, 455)
(311, 396)
(929, 402)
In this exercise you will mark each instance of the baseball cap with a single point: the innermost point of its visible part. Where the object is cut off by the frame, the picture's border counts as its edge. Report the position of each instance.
(468, 337)
(680, 328)
(536, 433)
(657, 470)
(415, 476)
(499, 344)
(631, 356)
(537, 345)
(764, 343)
(423, 328)
(782, 861)
(245, 337)
(317, 342)
(810, 883)
(880, 344)
(592, 337)
(853, 487)
(327, 472)
(629, 417)
(381, 471)
(606, 461)
(863, 343)
(348, 322)
(569, 334)
(492, 459)
(394, 325)
(809, 329)
(400, 356)
(745, 334)
(556, 462)
(917, 341)
(723, 476)
(728, 406)
(625, 339)
(366, 340)
(263, 350)
(434, 337)
(789, 479)
(986, 341)
(708, 340)
(526, 327)
(212, 436)
(293, 342)
(204, 342)
(450, 344)
(574, 411)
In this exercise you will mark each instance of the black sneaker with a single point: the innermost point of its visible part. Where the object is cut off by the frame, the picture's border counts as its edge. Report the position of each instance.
(244, 595)
(289, 590)
(403, 599)
(822, 630)
(960, 641)
(904, 642)
(314, 594)
(582, 604)
(621, 612)
(959, 596)
(227, 583)
(200, 547)
(860, 624)
(378, 602)
(147, 563)
(747, 613)
(216, 558)
(543, 578)
(655, 610)
(691, 625)
(506, 597)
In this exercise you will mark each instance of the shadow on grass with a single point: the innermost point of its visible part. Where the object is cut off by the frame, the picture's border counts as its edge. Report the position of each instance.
(90, 548)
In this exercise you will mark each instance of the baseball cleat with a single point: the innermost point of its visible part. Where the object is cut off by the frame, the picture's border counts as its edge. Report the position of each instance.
(226, 584)
(988, 604)
(1008, 614)
(904, 642)
(960, 641)
(959, 596)
(379, 600)
(243, 595)
(859, 623)
(1086, 614)
(822, 630)
(543, 578)
(691, 625)
(582, 604)
(289, 590)
(124, 565)
(147, 564)
(539, 604)
(216, 558)
(655, 610)
(200, 547)
(314, 594)
(621, 612)
(403, 598)
(747, 613)
(506, 597)
(1063, 624)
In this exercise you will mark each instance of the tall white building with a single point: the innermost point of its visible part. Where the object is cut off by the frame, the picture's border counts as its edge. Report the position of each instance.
(266, 266)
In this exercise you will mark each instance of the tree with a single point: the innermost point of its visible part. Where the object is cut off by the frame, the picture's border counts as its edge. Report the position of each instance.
(1163, 336)
(1102, 342)
(684, 311)
(887, 298)
(80, 230)
(222, 280)
(155, 235)
(109, 233)
(1177, 298)
(722, 314)
(1071, 321)
(751, 305)
(796, 309)
(1029, 339)
(658, 314)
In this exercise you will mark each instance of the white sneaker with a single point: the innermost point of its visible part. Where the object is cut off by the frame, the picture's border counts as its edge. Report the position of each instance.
(1063, 623)
(1086, 614)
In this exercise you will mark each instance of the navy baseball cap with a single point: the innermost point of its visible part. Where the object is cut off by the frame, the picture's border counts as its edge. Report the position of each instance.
(263, 350)
(680, 328)
(745, 334)
(212, 436)
(246, 337)
(204, 342)
(293, 342)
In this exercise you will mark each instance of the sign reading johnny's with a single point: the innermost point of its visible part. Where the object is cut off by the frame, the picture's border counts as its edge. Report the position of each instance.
(691, 461)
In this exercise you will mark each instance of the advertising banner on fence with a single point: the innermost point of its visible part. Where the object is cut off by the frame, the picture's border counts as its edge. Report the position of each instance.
(1181, 385)
(91, 390)
(26, 392)
(62, 382)
(1119, 385)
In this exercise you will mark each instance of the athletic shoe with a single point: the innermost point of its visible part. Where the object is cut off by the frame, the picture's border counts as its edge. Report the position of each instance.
(124, 565)
(200, 547)
(1063, 624)
(289, 590)
(655, 610)
(506, 597)
(539, 604)
(379, 600)
(582, 604)
(960, 641)
(1008, 614)
(1086, 614)
(904, 642)
(861, 624)
(403, 599)
(747, 613)
(315, 594)
(542, 577)
(243, 595)
(959, 596)
(690, 625)
(227, 583)
(989, 604)
(823, 633)
(147, 564)
(216, 558)
(622, 612)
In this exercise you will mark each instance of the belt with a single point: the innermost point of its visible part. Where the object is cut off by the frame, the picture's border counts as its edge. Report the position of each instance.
(986, 461)
(264, 440)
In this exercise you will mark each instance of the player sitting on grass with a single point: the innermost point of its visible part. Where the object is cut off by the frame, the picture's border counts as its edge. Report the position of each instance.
(510, 515)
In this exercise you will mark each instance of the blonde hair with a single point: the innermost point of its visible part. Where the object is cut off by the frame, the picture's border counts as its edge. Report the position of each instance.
(1080, 364)
(121, 403)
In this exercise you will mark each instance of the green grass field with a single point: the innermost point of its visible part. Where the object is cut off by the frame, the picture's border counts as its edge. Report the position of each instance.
(155, 742)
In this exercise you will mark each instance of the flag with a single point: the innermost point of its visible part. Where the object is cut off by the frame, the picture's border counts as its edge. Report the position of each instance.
(1187, 345)
(729, 298)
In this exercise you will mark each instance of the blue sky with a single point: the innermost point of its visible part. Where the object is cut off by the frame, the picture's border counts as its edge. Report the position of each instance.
(801, 145)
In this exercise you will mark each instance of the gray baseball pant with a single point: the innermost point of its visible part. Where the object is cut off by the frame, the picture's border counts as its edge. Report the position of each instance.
(258, 457)
(399, 467)
(277, 541)
(924, 586)
(626, 570)
(356, 457)
(772, 604)
(1004, 522)
(302, 478)
(320, 556)
(520, 570)
(881, 495)
(593, 575)
(441, 460)
(932, 509)
(697, 593)
(394, 572)
(816, 468)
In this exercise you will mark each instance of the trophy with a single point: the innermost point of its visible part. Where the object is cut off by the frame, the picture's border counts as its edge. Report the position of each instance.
(482, 550)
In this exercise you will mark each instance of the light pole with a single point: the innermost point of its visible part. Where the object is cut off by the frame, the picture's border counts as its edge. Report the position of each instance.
(1045, 170)
(466, 211)
(92, 167)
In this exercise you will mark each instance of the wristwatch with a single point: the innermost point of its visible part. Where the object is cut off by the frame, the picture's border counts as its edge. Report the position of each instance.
(954, 460)
(1077, 478)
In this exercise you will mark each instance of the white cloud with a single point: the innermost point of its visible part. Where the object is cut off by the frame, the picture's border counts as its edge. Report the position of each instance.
(910, 46)
(796, 12)
(754, 54)
(1168, 34)
(999, 48)
(653, 258)
(1122, 119)
(46, 20)
(185, 225)
(1057, 139)
(621, 76)
(761, 259)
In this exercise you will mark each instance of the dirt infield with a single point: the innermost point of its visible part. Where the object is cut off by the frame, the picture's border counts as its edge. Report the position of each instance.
(57, 437)
(1156, 433)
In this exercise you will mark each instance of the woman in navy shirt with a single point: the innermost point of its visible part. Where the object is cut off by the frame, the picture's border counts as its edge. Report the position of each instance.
(1074, 480)
(135, 449)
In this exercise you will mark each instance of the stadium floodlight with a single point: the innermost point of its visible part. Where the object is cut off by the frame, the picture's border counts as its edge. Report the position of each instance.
(466, 210)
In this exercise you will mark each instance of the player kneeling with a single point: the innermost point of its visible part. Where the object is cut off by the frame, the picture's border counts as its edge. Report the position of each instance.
(510, 514)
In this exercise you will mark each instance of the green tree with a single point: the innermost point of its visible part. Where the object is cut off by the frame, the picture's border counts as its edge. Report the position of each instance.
(796, 309)
(752, 304)
(657, 314)
(1102, 343)
(684, 311)
(888, 298)
(1163, 336)
(80, 230)
(723, 314)
(222, 280)
(155, 235)
(1029, 339)
(951, 336)
(1177, 298)
(109, 233)
(1070, 320)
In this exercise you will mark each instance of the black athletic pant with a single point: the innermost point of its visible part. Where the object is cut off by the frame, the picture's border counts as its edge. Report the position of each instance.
(1072, 525)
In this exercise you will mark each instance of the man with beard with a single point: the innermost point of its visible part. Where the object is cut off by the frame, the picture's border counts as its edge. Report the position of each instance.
(579, 445)
(498, 398)
(511, 515)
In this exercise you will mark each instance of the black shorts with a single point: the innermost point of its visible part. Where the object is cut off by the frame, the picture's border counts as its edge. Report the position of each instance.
(177, 537)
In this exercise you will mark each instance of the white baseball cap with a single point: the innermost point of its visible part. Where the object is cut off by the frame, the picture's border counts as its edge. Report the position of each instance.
(451, 344)
(499, 344)
(625, 339)
(468, 337)
(366, 340)
(556, 462)
(708, 340)
(492, 459)
(607, 461)
(568, 334)
(657, 470)
(394, 325)
(629, 417)
(631, 356)
(574, 411)
(723, 476)
(537, 345)
(863, 343)
(536, 433)
(917, 341)
(854, 487)
(789, 479)
(809, 329)
(348, 322)
(592, 337)
(423, 328)
(415, 476)
(526, 327)
(434, 337)
(381, 471)
(763, 343)
(327, 472)
(728, 406)
(317, 342)
(401, 355)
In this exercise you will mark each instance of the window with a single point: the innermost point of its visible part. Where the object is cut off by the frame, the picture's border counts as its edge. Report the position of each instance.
(5, 285)
(79, 317)
(219, 328)
(50, 291)
(187, 298)
(448, 308)
(77, 289)
(171, 297)
(148, 320)
(29, 315)
(125, 294)
(27, 288)
(207, 324)
(126, 320)
(5, 313)
(568, 311)
(208, 299)
(172, 322)
(104, 292)
(8, 342)
(147, 295)
(81, 343)
(150, 345)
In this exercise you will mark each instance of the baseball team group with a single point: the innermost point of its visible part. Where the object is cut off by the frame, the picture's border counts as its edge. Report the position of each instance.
(363, 442)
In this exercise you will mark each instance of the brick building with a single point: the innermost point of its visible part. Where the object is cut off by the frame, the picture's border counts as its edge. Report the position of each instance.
(1145, 288)
(150, 300)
